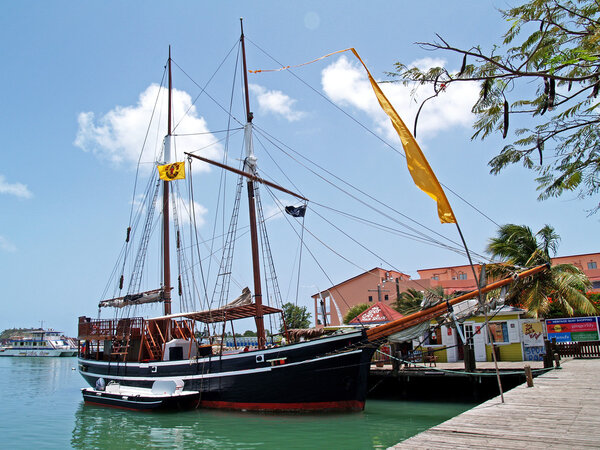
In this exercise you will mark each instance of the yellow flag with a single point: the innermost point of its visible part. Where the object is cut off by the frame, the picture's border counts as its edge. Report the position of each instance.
(418, 166)
(169, 172)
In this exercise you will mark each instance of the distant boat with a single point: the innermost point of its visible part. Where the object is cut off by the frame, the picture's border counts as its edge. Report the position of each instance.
(40, 343)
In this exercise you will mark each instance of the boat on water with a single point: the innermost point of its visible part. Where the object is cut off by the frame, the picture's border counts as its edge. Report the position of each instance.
(163, 395)
(314, 373)
(40, 343)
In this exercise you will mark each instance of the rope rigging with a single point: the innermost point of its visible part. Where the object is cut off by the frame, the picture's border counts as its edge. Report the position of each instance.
(363, 126)
(187, 266)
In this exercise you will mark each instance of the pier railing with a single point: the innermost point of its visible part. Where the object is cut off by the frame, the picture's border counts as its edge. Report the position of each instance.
(587, 349)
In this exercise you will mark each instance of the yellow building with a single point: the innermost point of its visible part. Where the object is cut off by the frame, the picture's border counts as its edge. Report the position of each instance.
(507, 331)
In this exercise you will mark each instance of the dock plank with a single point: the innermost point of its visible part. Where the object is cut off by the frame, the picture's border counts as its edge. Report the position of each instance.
(559, 411)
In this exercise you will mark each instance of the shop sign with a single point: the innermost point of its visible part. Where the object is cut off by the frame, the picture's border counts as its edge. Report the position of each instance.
(575, 329)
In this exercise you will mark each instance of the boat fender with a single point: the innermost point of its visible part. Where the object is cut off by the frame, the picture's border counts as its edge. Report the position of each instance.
(100, 384)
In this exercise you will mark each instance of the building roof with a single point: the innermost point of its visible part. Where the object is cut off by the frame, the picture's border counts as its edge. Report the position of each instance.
(372, 272)
(460, 266)
(376, 314)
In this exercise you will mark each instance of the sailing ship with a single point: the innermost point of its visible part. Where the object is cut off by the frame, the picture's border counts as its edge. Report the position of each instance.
(319, 373)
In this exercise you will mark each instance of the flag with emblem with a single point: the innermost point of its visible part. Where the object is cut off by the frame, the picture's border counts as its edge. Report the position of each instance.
(169, 172)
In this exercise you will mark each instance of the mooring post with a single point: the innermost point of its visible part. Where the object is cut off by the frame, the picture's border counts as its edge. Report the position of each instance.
(548, 357)
(469, 358)
(528, 375)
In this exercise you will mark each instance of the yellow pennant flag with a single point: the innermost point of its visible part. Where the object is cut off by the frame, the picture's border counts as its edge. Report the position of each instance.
(169, 172)
(418, 166)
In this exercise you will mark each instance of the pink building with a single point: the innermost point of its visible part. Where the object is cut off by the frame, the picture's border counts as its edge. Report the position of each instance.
(460, 278)
(380, 285)
(369, 287)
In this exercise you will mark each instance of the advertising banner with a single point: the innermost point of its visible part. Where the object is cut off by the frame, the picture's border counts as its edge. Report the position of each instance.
(533, 340)
(533, 334)
(575, 329)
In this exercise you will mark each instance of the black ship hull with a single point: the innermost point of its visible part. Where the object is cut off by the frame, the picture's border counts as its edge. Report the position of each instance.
(329, 373)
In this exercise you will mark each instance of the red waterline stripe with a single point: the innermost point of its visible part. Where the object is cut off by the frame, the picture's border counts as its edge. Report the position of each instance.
(353, 405)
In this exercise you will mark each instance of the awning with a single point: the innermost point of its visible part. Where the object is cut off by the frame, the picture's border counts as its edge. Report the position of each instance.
(222, 314)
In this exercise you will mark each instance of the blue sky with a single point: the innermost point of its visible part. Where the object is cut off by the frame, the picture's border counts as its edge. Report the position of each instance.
(74, 70)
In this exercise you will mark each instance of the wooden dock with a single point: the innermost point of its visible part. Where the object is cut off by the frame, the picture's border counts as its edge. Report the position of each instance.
(561, 410)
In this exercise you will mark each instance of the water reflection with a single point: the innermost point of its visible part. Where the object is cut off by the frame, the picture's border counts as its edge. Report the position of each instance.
(382, 424)
(41, 402)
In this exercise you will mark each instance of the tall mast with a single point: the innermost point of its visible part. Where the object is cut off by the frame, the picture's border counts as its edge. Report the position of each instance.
(165, 206)
(250, 167)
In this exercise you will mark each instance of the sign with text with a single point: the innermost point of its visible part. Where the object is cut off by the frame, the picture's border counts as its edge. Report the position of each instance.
(572, 329)
(533, 334)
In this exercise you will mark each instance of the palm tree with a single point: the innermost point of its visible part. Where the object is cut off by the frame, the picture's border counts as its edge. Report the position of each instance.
(563, 284)
(355, 311)
(411, 300)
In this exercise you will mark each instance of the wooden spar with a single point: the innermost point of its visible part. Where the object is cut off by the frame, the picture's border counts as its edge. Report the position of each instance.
(250, 164)
(385, 330)
(165, 208)
(246, 92)
(247, 175)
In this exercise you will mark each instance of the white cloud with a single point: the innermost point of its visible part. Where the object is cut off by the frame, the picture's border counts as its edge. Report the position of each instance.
(276, 102)
(273, 211)
(6, 245)
(428, 63)
(118, 135)
(346, 83)
(185, 213)
(17, 189)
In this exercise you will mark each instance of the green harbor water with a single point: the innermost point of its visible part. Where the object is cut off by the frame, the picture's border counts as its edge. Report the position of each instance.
(41, 407)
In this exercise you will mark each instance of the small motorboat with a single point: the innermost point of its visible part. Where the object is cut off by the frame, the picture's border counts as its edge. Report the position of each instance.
(164, 395)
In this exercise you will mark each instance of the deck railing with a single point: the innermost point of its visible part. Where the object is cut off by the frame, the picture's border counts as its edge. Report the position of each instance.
(586, 349)
(90, 329)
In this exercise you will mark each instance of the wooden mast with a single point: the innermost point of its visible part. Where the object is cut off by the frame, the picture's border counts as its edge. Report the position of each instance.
(250, 167)
(165, 207)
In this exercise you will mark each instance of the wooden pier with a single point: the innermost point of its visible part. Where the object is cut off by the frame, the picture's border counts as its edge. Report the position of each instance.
(561, 410)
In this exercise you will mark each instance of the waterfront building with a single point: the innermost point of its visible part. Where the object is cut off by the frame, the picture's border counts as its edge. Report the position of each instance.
(332, 304)
(460, 278)
(511, 335)
(378, 284)
(376, 314)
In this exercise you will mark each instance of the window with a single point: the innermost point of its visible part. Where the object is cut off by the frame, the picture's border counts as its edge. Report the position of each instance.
(370, 298)
(468, 334)
(499, 332)
(592, 265)
(462, 276)
(435, 277)
(386, 297)
(435, 336)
